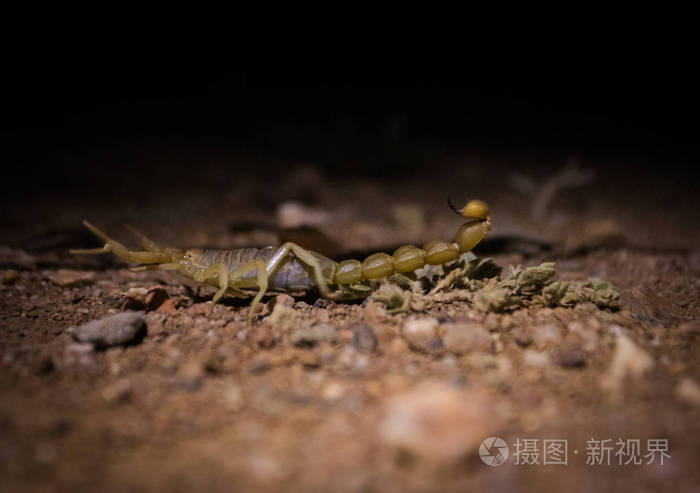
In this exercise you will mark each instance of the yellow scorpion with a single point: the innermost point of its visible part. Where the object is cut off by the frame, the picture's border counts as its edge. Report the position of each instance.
(291, 268)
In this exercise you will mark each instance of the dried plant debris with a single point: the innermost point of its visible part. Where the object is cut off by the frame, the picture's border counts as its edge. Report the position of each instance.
(478, 281)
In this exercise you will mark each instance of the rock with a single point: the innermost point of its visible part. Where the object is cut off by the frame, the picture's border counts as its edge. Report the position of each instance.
(285, 317)
(629, 362)
(397, 346)
(506, 322)
(688, 391)
(113, 330)
(309, 359)
(437, 422)
(535, 359)
(332, 391)
(134, 299)
(69, 277)
(418, 331)
(167, 307)
(232, 395)
(26, 306)
(522, 336)
(155, 297)
(310, 336)
(544, 335)
(200, 309)
(364, 338)
(118, 392)
(282, 300)
(465, 337)
(571, 358)
(434, 346)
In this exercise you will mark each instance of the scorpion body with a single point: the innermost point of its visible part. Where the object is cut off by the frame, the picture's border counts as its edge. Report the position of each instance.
(291, 268)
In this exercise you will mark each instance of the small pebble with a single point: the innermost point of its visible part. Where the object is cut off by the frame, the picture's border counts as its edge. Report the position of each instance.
(546, 334)
(522, 336)
(571, 358)
(112, 330)
(134, 299)
(309, 359)
(465, 337)
(167, 307)
(233, 396)
(323, 303)
(418, 331)
(398, 346)
(285, 317)
(535, 359)
(118, 392)
(282, 300)
(629, 362)
(437, 422)
(200, 309)
(435, 346)
(155, 297)
(332, 391)
(26, 306)
(310, 336)
(688, 391)
(364, 338)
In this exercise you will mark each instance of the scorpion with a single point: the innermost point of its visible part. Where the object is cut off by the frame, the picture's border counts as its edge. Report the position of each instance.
(293, 269)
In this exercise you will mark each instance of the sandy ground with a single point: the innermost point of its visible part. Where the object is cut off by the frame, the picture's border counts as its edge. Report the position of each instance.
(327, 396)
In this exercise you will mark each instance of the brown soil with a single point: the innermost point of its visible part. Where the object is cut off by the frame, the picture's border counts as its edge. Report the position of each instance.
(206, 401)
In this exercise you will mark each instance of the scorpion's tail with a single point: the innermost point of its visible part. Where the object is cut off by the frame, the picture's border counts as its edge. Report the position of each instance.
(152, 256)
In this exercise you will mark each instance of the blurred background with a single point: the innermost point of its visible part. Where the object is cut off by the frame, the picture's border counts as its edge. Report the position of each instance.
(173, 148)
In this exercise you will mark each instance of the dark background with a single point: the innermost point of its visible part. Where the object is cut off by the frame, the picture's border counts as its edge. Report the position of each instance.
(74, 128)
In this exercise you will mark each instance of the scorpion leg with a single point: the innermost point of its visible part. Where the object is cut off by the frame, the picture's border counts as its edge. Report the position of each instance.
(306, 257)
(261, 279)
(227, 281)
(223, 283)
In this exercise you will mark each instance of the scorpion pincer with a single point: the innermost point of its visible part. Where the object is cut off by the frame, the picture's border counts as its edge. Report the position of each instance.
(291, 268)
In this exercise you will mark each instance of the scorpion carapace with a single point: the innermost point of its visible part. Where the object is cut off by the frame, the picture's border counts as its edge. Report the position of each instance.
(291, 268)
